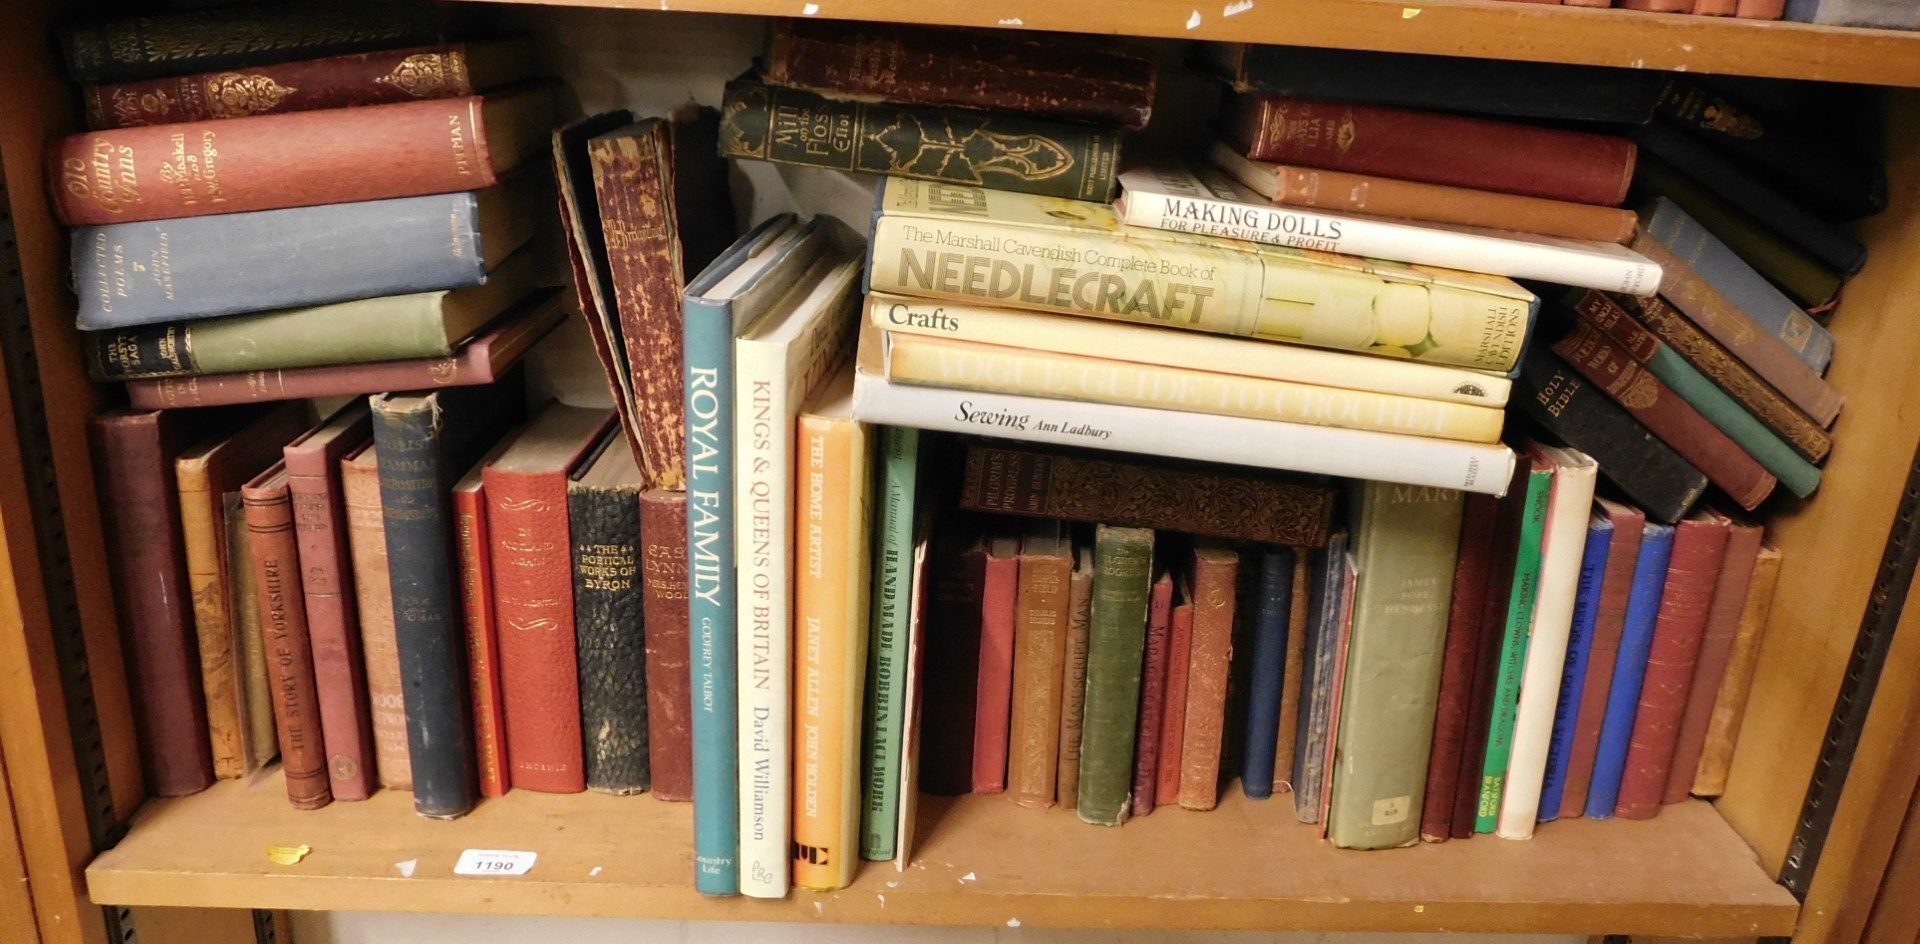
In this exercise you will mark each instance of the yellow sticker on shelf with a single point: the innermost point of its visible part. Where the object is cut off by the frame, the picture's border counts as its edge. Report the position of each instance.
(288, 855)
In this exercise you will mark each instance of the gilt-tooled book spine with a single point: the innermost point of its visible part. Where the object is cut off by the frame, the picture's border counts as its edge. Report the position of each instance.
(1561, 401)
(663, 584)
(1717, 637)
(1153, 696)
(1140, 491)
(998, 70)
(1828, 179)
(1609, 620)
(1215, 586)
(604, 528)
(1073, 700)
(373, 598)
(1273, 612)
(1460, 656)
(890, 621)
(230, 39)
(1116, 639)
(1039, 665)
(283, 624)
(475, 542)
(1003, 151)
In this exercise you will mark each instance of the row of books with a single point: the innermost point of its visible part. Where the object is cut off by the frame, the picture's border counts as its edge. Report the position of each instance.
(1879, 14)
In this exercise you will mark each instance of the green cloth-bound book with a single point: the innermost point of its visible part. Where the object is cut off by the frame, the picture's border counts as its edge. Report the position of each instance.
(1513, 641)
(891, 620)
(1116, 641)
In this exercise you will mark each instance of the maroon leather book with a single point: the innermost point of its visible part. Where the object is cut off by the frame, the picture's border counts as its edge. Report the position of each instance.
(663, 585)
(1173, 718)
(993, 683)
(1616, 586)
(1609, 366)
(479, 361)
(133, 456)
(1434, 148)
(526, 493)
(1716, 646)
(1153, 695)
(1062, 77)
(283, 625)
(274, 161)
(1492, 622)
(326, 584)
(1458, 663)
(1699, 546)
(957, 569)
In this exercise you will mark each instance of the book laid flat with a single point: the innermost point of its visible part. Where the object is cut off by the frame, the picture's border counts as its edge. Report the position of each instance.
(1405, 541)
(1039, 662)
(1809, 283)
(1153, 695)
(993, 676)
(127, 274)
(373, 601)
(1207, 202)
(481, 359)
(1321, 659)
(1075, 80)
(954, 637)
(1435, 148)
(450, 70)
(1116, 640)
(395, 327)
(1510, 653)
(1392, 198)
(663, 577)
(1459, 657)
(1192, 350)
(1609, 621)
(603, 521)
(971, 244)
(948, 145)
(283, 624)
(1630, 669)
(270, 162)
(1573, 674)
(1073, 701)
(1729, 706)
(474, 542)
(168, 44)
(1139, 491)
(1717, 638)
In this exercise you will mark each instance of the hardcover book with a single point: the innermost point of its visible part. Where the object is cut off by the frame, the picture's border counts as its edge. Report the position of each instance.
(1609, 621)
(373, 599)
(1630, 668)
(664, 598)
(474, 540)
(1809, 283)
(1073, 701)
(1729, 706)
(1273, 612)
(1459, 657)
(1116, 639)
(603, 521)
(1717, 638)
(165, 44)
(1511, 517)
(1213, 584)
(1322, 659)
(993, 676)
(283, 625)
(1521, 600)
(1039, 662)
(1173, 718)
(1153, 695)
(957, 559)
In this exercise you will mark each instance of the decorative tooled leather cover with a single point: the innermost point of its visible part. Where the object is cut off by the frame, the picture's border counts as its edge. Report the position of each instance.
(1459, 662)
(370, 78)
(607, 610)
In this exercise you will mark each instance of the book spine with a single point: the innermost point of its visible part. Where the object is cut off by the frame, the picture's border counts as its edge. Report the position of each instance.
(1654, 404)
(373, 598)
(1630, 669)
(1263, 443)
(1342, 654)
(1287, 739)
(1699, 547)
(283, 620)
(993, 681)
(611, 652)
(140, 507)
(1436, 148)
(397, 327)
(1641, 464)
(665, 600)
(959, 365)
(1116, 638)
(1760, 9)
(413, 505)
(1460, 654)
(1271, 618)
(204, 538)
(1066, 160)
(1173, 717)
(1836, 184)
(1004, 479)
(1659, 6)
(1008, 72)
(1717, 638)
(1039, 672)
(712, 611)
(333, 623)
(1490, 634)
(371, 78)
(1609, 619)
(1316, 702)
(256, 688)
(1729, 706)
(226, 39)
(271, 161)
(633, 179)
(1153, 696)
(474, 543)
(1561, 264)
(1216, 575)
(1073, 697)
(527, 521)
(1505, 702)
(467, 367)
(1747, 290)
(884, 729)
(1809, 283)
(1209, 286)
(1573, 675)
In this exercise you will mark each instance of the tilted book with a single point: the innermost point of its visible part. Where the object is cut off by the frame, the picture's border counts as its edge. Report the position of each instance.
(1573, 674)
(1517, 622)
(168, 44)
(1716, 651)
(1609, 621)
(1729, 705)
(1630, 668)
(1153, 696)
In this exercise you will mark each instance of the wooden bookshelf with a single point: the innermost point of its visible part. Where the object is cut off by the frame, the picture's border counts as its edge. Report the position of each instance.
(980, 861)
(1491, 29)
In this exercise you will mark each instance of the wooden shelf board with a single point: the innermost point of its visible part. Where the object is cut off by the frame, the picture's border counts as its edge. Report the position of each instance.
(981, 861)
(1491, 29)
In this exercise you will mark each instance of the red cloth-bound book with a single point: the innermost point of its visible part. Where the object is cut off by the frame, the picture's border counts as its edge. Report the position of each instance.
(1153, 696)
(1459, 661)
(1716, 648)
(663, 587)
(473, 544)
(993, 686)
(1616, 586)
(1493, 619)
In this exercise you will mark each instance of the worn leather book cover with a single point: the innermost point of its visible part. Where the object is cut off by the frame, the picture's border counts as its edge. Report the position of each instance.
(1699, 547)
(204, 475)
(587, 251)
(1071, 78)
(603, 514)
(283, 624)
(1144, 491)
(1040, 616)
(1604, 362)
(1460, 657)
(1272, 598)
(172, 43)
(663, 588)
(993, 678)
(989, 149)
(526, 489)
(1215, 582)
(1830, 181)
(1716, 650)
(1153, 695)
(1293, 682)
(373, 601)
(474, 547)
(269, 162)
(1073, 699)
(957, 571)
(1730, 705)
(1610, 619)
(1173, 716)
(326, 586)
(1434, 148)
(1559, 400)
(1490, 626)
(1116, 643)
(369, 78)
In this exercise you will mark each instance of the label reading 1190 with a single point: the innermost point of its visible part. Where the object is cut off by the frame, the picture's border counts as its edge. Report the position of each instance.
(494, 862)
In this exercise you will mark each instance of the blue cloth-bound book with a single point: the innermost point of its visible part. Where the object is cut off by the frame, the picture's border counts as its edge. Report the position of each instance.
(1269, 671)
(1630, 668)
(1586, 606)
